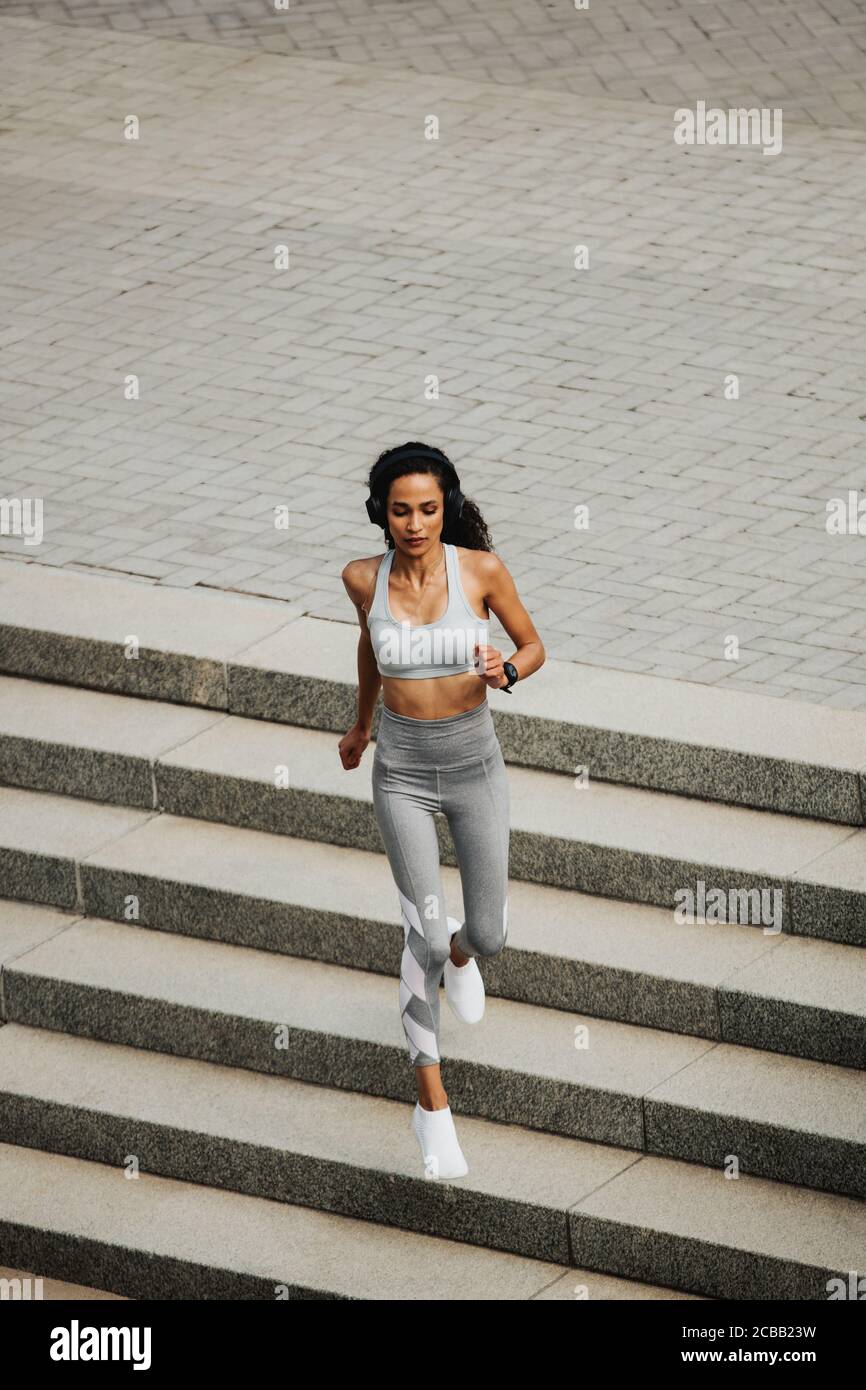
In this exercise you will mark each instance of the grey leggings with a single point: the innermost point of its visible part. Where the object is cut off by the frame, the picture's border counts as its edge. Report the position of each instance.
(421, 767)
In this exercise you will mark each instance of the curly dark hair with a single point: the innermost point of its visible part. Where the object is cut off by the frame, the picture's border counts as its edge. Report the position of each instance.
(471, 528)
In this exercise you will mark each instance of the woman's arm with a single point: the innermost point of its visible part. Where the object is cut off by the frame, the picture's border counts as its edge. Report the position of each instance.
(503, 599)
(369, 680)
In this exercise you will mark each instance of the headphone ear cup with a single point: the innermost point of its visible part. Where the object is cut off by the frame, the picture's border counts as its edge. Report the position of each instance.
(374, 510)
(454, 505)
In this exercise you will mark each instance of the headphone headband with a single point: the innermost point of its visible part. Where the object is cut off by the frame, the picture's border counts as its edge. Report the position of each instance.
(406, 451)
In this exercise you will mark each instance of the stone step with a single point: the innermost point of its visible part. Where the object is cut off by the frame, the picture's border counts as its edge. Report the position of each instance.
(156, 1237)
(261, 658)
(603, 838)
(535, 1195)
(566, 950)
(641, 1089)
(86, 743)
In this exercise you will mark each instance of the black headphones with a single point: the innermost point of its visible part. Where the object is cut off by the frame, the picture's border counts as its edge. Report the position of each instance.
(454, 498)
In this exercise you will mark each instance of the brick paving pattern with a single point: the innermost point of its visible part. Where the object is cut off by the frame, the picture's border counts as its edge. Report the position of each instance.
(605, 387)
(806, 54)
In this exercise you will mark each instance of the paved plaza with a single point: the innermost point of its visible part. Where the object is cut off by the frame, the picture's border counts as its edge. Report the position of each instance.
(169, 384)
(808, 54)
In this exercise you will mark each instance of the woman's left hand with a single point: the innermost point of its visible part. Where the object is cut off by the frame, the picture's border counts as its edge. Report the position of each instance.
(488, 663)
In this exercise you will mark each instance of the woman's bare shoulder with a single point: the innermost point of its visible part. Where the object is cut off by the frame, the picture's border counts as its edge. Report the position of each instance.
(358, 575)
(481, 564)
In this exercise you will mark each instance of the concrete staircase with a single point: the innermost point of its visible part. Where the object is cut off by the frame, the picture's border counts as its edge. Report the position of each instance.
(200, 946)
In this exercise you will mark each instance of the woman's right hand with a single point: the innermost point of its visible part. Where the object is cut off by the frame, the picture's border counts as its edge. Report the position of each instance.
(352, 745)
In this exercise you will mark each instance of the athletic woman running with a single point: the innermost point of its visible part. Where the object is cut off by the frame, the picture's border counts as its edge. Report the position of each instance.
(423, 608)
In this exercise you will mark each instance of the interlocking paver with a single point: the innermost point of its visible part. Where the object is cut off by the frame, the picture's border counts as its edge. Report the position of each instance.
(602, 387)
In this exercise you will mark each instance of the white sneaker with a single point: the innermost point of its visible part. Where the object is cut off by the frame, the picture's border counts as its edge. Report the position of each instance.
(464, 987)
(440, 1147)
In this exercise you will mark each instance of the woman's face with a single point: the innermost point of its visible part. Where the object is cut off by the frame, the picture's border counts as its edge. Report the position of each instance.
(416, 512)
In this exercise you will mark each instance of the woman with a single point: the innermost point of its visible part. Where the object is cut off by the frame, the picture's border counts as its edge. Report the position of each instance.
(423, 608)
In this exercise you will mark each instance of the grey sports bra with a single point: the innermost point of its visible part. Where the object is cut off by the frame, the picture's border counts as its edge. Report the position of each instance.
(442, 648)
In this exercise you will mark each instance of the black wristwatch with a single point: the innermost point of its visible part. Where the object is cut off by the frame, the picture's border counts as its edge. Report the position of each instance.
(512, 673)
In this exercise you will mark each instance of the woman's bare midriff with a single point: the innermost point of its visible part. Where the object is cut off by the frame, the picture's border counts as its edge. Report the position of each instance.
(435, 697)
